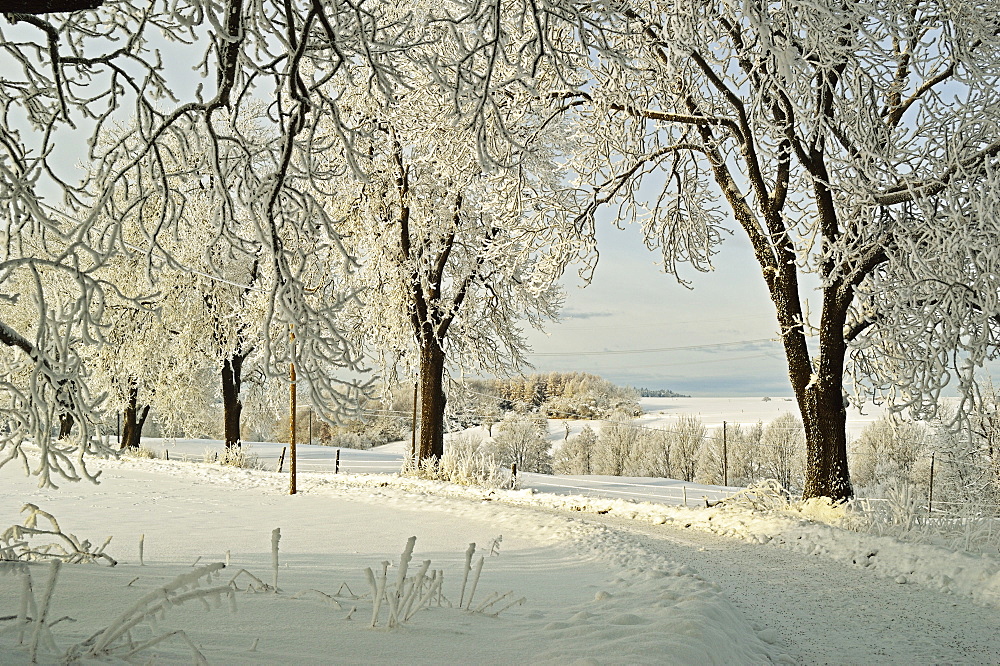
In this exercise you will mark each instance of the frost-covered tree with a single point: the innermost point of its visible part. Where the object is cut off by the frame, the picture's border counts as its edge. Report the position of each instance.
(72, 69)
(855, 142)
(739, 452)
(687, 437)
(521, 440)
(451, 257)
(571, 394)
(887, 453)
(653, 457)
(781, 454)
(576, 454)
(617, 445)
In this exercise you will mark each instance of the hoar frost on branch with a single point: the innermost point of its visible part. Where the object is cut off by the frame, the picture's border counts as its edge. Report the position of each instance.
(857, 142)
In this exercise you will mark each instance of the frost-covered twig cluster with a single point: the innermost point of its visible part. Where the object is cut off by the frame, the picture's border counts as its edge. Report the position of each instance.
(406, 596)
(115, 639)
(15, 542)
(32, 626)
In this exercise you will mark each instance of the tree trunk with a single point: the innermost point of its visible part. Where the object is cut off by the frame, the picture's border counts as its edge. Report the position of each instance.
(825, 420)
(819, 392)
(134, 420)
(232, 370)
(65, 424)
(824, 413)
(432, 400)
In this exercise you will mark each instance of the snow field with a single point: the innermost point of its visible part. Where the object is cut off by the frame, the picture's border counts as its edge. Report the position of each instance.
(592, 594)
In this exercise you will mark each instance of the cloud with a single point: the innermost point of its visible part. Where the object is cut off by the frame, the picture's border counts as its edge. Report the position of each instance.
(585, 315)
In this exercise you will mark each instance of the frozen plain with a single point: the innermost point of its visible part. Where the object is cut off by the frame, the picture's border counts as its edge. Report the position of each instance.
(604, 580)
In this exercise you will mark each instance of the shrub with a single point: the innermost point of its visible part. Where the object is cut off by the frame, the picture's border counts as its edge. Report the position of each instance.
(521, 440)
(576, 454)
(467, 460)
(242, 457)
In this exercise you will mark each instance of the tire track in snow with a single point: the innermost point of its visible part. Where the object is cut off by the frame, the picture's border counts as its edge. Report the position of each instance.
(825, 612)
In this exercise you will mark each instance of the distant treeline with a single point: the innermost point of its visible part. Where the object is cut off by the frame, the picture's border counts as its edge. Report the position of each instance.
(659, 393)
(555, 394)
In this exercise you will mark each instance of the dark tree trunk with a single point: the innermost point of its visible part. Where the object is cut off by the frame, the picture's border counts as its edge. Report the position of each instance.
(135, 419)
(232, 371)
(65, 424)
(432, 400)
(819, 392)
(824, 412)
(825, 420)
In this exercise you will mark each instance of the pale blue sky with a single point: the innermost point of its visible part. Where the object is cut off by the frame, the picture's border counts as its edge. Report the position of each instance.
(633, 305)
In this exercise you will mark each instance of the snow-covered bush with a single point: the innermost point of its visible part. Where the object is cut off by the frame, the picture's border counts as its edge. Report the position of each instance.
(242, 457)
(888, 454)
(616, 446)
(521, 440)
(468, 460)
(576, 454)
(141, 452)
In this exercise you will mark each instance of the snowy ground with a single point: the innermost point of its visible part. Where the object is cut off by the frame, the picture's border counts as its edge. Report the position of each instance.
(590, 593)
(605, 580)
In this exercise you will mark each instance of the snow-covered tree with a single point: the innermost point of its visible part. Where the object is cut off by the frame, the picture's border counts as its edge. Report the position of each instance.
(451, 256)
(617, 445)
(576, 454)
(521, 440)
(781, 454)
(887, 453)
(72, 69)
(653, 457)
(687, 437)
(857, 142)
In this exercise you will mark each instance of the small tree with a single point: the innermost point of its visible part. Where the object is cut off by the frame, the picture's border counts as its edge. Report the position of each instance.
(887, 453)
(782, 451)
(687, 439)
(655, 454)
(521, 440)
(576, 454)
(617, 446)
(741, 449)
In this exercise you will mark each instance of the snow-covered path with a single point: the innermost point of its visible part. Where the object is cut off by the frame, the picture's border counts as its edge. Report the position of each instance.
(826, 612)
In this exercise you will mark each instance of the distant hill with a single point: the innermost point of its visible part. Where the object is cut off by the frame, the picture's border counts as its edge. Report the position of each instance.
(659, 393)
